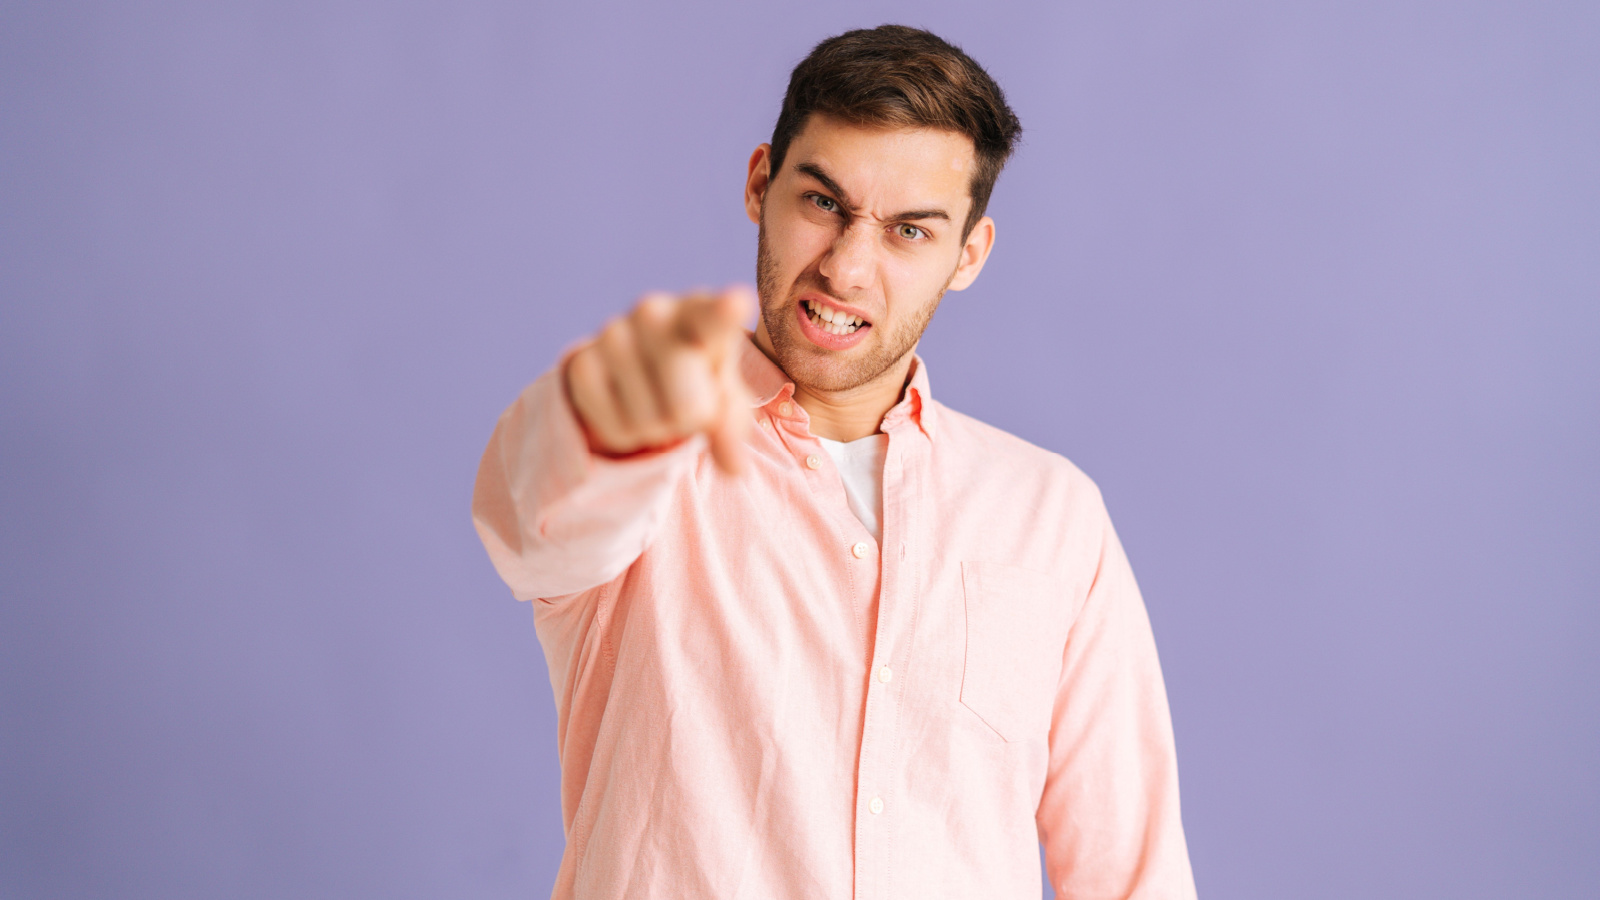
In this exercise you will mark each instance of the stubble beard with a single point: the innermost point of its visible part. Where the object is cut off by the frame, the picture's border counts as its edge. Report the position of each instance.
(808, 365)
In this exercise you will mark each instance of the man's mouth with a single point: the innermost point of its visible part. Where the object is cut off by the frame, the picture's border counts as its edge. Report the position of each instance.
(832, 320)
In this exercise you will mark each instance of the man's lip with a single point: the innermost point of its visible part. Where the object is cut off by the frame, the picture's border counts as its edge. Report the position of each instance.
(831, 303)
(827, 340)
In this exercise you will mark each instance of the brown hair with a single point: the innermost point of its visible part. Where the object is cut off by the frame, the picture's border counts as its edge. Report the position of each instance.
(894, 75)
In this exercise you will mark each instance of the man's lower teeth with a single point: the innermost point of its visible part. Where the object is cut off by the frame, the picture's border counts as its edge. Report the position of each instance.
(832, 328)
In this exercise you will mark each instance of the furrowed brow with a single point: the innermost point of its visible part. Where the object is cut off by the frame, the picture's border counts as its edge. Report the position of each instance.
(815, 172)
(920, 214)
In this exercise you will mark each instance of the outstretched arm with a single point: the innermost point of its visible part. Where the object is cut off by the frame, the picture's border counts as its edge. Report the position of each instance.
(580, 468)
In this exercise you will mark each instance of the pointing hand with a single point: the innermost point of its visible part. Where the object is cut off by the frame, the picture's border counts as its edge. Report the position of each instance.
(667, 370)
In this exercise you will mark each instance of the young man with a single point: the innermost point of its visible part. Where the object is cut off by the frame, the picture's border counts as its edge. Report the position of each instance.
(813, 634)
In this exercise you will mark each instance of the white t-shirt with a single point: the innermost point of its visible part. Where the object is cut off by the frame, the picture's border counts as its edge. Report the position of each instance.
(860, 464)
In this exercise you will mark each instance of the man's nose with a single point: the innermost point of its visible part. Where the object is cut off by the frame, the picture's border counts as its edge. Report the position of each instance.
(852, 258)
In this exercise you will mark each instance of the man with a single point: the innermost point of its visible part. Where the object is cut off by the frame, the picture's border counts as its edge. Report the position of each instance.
(813, 634)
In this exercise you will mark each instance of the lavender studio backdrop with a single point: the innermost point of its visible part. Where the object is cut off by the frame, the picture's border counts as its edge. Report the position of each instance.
(1311, 289)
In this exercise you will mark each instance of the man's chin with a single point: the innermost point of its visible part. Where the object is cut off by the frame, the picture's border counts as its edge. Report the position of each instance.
(833, 371)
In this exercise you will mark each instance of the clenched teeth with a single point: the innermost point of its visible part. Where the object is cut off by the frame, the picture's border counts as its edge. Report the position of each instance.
(832, 320)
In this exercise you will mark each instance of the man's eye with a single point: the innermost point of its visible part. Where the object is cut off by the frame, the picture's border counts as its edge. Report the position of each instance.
(824, 203)
(910, 232)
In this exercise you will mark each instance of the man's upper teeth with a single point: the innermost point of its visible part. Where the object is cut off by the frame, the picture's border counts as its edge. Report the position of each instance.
(829, 314)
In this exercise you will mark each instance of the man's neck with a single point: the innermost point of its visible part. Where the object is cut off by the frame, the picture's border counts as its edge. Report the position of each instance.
(846, 416)
(852, 414)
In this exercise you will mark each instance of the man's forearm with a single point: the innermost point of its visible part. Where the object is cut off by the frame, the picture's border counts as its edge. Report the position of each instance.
(555, 517)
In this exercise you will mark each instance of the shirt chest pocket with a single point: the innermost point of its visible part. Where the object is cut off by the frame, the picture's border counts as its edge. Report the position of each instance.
(1013, 650)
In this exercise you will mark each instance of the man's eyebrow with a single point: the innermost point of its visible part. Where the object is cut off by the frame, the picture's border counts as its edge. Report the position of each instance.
(815, 171)
(920, 214)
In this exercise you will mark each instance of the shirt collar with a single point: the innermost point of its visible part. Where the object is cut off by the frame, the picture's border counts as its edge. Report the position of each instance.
(769, 385)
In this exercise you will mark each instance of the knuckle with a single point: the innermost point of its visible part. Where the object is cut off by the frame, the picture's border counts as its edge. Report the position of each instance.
(614, 331)
(616, 338)
(653, 307)
(584, 367)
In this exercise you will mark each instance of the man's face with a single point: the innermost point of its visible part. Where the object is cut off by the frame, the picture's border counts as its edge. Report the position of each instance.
(861, 225)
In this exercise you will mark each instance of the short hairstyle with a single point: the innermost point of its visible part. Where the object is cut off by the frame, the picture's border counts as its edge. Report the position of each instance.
(898, 76)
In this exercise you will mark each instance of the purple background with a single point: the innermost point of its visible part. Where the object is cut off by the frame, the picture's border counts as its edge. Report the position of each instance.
(1311, 289)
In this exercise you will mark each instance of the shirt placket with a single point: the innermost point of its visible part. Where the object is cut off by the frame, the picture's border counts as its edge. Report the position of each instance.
(857, 551)
(888, 657)
(877, 808)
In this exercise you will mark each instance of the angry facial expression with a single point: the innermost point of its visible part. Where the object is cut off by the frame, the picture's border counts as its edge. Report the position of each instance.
(860, 236)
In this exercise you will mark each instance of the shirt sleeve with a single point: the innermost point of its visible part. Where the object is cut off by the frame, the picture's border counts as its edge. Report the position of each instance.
(556, 518)
(1108, 816)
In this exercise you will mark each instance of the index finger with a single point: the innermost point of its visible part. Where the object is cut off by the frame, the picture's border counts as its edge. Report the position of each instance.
(704, 320)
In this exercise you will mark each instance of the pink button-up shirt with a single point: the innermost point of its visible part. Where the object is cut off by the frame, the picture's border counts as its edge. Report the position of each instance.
(755, 699)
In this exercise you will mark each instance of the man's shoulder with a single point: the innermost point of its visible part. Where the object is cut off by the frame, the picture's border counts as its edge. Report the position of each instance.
(1020, 461)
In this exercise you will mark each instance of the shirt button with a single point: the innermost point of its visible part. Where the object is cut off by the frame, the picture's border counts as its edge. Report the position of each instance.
(785, 408)
(767, 424)
(885, 674)
(860, 550)
(813, 461)
(876, 805)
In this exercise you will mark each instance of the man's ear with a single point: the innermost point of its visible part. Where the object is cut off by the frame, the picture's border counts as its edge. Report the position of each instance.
(974, 253)
(757, 180)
